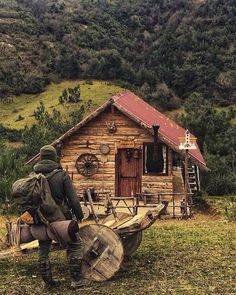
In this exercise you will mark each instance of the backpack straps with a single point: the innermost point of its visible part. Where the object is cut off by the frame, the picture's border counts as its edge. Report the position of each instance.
(53, 230)
(50, 174)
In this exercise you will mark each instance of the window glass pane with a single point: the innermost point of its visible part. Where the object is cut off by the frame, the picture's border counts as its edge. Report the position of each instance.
(155, 163)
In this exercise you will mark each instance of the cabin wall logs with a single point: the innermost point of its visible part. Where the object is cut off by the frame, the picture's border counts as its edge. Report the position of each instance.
(96, 133)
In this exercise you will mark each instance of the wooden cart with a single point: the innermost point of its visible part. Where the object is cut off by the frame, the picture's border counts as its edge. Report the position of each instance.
(107, 242)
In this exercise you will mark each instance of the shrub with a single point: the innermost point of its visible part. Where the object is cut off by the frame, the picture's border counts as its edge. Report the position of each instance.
(9, 134)
(70, 95)
(19, 118)
(11, 168)
(230, 209)
(89, 82)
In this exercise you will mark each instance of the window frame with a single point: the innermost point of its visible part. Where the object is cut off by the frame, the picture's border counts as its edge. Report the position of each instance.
(167, 160)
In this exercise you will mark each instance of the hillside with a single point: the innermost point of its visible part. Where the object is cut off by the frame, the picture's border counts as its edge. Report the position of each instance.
(23, 106)
(167, 50)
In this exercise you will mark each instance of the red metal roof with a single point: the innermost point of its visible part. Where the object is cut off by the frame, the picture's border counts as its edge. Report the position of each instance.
(148, 115)
(140, 111)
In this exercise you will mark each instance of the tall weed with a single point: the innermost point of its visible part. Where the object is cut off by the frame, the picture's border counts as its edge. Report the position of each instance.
(230, 209)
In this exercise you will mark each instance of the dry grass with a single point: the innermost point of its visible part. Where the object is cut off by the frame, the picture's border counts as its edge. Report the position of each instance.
(25, 105)
(196, 256)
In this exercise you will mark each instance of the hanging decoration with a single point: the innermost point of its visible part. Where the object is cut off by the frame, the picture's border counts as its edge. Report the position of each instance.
(136, 154)
(111, 127)
(87, 164)
(128, 154)
(104, 149)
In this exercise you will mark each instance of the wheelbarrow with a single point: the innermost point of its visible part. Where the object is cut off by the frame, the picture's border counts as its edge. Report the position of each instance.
(108, 241)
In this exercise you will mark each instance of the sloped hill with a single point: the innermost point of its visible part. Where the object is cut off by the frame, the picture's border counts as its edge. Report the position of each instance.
(20, 65)
(166, 49)
(18, 112)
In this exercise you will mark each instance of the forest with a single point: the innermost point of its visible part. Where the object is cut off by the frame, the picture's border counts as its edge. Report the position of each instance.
(173, 53)
(165, 49)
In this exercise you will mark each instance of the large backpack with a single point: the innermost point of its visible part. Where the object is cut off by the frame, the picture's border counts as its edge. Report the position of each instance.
(33, 194)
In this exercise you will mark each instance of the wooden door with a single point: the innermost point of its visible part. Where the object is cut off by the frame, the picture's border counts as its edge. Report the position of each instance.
(128, 172)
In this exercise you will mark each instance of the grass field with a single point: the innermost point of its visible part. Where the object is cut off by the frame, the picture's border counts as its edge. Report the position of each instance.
(24, 105)
(196, 256)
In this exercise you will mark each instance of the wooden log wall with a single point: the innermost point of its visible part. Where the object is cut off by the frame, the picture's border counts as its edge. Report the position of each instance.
(96, 133)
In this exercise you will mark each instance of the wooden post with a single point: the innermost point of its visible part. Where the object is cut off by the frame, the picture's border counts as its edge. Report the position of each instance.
(186, 146)
(113, 210)
(91, 205)
(186, 184)
(173, 206)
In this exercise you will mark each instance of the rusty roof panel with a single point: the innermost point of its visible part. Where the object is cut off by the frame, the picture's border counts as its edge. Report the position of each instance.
(149, 116)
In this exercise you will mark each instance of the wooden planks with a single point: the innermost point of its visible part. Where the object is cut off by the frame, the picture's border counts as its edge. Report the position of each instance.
(95, 133)
(103, 252)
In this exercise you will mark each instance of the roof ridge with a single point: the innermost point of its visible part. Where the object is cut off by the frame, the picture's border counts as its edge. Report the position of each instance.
(153, 109)
(115, 97)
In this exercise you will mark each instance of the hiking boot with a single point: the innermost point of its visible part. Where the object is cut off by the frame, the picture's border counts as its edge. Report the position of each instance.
(46, 274)
(80, 283)
(50, 284)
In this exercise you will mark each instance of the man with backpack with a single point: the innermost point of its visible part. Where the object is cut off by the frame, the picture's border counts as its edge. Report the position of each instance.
(65, 197)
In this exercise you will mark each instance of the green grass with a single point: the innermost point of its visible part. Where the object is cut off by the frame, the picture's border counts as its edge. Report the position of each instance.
(24, 105)
(196, 256)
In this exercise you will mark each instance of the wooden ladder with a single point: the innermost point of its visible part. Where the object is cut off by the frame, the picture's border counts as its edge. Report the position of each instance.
(193, 177)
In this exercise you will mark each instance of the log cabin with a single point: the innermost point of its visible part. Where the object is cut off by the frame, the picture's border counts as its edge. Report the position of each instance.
(127, 147)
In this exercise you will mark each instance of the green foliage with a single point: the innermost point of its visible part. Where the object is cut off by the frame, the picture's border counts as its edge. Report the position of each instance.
(216, 136)
(11, 168)
(9, 134)
(70, 95)
(230, 209)
(186, 45)
(50, 126)
(221, 179)
(25, 104)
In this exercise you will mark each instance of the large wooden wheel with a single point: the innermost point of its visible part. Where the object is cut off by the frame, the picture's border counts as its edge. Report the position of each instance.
(131, 241)
(103, 252)
(87, 164)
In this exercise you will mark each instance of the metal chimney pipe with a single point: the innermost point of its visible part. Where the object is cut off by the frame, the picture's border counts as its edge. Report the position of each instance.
(155, 128)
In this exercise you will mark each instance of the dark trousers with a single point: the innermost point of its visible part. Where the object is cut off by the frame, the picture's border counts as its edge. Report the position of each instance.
(74, 256)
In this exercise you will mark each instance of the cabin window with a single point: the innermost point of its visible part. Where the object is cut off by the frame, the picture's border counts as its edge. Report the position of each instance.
(155, 162)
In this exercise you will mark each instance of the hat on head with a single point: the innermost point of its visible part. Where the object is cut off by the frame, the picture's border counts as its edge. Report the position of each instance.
(48, 152)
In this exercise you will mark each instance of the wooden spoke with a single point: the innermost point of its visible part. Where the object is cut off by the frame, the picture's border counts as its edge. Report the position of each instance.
(87, 164)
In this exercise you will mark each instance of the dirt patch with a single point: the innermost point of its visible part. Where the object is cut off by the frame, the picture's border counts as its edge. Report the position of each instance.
(203, 207)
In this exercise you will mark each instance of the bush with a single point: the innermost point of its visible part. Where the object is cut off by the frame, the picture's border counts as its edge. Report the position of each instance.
(216, 136)
(70, 95)
(230, 210)
(19, 118)
(9, 134)
(11, 168)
